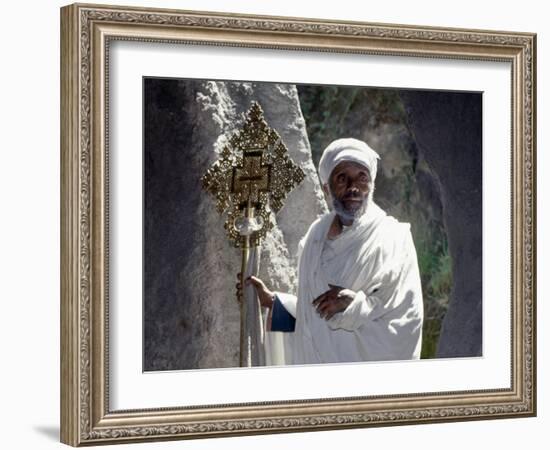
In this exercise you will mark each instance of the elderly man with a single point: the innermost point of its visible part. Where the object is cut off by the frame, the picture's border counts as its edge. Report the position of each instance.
(359, 293)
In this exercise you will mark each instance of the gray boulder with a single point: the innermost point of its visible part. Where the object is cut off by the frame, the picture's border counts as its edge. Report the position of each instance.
(447, 130)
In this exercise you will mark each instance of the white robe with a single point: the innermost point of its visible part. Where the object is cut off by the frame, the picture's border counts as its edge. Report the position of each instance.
(376, 258)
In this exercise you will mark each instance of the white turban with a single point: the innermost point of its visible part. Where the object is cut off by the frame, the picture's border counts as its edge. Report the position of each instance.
(347, 149)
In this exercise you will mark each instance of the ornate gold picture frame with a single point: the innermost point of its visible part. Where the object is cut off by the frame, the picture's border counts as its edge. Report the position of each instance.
(87, 416)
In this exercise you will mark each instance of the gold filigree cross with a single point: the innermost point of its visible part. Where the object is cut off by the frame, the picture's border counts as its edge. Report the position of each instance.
(254, 171)
(252, 178)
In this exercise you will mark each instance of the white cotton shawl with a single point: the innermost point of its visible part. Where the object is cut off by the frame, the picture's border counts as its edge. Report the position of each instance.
(376, 258)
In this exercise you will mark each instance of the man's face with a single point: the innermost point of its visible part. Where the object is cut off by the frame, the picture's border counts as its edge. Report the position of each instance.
(350, 185)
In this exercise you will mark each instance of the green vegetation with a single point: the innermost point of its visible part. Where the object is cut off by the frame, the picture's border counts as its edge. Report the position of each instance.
(434, 262)
(328, 111)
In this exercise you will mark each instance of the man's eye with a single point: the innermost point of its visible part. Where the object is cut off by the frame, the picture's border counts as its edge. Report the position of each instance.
(341, 178)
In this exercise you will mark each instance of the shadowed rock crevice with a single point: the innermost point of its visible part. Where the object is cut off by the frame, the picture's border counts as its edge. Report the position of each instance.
(447, 129)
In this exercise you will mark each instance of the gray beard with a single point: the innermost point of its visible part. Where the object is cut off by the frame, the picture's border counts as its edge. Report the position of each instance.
(345, 215)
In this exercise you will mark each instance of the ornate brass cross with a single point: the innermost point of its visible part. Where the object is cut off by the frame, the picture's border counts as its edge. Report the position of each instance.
(252, 178)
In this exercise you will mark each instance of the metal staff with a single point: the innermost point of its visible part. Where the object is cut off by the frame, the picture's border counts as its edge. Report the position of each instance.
(252, 177)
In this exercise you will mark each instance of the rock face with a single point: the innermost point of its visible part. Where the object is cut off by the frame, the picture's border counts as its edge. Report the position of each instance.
(191, 317)
(447, 130)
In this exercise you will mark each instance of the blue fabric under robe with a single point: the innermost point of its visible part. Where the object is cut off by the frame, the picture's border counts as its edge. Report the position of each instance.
(281, 319)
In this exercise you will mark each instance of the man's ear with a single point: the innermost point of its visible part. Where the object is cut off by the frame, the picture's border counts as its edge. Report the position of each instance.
(326, 190)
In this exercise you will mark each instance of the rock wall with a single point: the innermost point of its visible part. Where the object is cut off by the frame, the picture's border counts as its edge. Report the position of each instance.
(447, 129)
(191, 317)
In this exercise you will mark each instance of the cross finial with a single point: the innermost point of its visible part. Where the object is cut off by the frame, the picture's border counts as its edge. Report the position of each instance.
(254, 171)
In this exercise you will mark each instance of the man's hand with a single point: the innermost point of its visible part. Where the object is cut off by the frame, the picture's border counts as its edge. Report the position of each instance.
(264, 294)
(333, 301)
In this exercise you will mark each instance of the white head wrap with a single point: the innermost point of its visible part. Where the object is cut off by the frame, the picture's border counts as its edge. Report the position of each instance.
(347, 149)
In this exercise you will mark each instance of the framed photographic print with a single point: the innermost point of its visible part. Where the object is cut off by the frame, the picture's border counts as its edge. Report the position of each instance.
(254, 207)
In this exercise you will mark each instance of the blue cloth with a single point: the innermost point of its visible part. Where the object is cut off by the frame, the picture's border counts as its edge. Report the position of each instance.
(281, 319)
